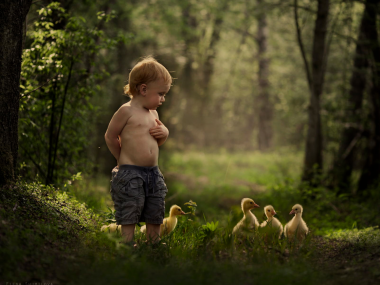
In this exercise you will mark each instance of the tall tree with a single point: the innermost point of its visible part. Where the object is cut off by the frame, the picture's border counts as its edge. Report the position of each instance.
(315, 77)
(352, 132)
(208, 70)
(189, 25)
(371, 172)
(263, 102)
(12, 17)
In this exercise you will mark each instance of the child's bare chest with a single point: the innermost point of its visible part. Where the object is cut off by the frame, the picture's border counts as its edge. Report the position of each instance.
(141, 122)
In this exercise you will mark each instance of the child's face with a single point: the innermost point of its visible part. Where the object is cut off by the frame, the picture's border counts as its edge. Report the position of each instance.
(155, 94)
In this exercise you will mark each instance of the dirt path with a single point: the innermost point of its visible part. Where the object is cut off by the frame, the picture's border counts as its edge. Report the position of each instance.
(347, 263)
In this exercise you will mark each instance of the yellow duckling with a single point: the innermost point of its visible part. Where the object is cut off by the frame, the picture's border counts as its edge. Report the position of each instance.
(249, 221)
(111, 228)
(272, 222)
(169, 223)
(297, 225)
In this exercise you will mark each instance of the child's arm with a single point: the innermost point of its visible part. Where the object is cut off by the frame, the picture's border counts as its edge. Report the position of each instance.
(116, 125)
(159, 132)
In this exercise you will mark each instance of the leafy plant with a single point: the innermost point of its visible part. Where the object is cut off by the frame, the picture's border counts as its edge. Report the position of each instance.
(192, 206)
(210, 227)
(69, 183)
(109, 216)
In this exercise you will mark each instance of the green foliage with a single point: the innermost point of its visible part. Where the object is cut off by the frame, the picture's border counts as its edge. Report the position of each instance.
(210, 227)
(68, 184)
(368, 237)
(94, 192)
(192, 206)
(37, 222)
(208, 232)
(58, 79)
(109, 216)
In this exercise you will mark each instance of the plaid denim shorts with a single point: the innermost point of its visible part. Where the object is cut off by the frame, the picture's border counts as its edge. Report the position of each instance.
(138, 194)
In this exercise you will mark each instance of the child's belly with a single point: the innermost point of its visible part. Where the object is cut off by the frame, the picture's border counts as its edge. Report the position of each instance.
(138, 148)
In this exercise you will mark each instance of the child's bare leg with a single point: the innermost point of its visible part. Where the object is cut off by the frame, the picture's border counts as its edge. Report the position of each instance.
(153, 233)
(128, 231)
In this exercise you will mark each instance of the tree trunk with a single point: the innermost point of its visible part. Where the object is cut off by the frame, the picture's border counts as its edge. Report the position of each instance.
(313, 162)
(351, 133)
(208, 66)
(189, 120)
(263, 102)
(12, 17)
(371, 172)
(207, 124)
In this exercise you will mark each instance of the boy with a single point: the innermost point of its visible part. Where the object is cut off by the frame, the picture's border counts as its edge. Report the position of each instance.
(133, 136)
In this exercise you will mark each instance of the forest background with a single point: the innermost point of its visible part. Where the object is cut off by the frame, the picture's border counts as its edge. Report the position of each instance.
(275, 97)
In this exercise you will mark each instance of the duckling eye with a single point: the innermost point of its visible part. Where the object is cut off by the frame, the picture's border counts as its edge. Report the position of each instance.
(250, 202)
(268, 210)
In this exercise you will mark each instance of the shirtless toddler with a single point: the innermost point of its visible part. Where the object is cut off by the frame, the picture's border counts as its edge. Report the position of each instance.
(133, 136)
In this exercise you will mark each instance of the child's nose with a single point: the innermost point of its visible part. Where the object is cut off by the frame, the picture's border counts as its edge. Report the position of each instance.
(162, 99)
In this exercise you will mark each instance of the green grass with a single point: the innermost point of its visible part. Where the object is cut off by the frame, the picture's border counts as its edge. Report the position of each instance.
(368, 237)
(238, 170)
(54, 235)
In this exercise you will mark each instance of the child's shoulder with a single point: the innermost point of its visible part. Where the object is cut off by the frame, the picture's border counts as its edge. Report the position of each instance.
(125, 108)
(155, 113)
(124, 112)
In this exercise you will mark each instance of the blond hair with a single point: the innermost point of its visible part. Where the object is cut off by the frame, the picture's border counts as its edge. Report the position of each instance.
(145, 71)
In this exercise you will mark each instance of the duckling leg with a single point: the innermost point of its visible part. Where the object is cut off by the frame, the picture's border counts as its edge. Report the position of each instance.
(128, 231)
(153, 233)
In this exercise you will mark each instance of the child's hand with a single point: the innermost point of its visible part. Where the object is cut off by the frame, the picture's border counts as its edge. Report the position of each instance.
(159, 131)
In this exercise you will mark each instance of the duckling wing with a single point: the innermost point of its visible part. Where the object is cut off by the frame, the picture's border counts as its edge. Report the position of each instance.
(263, 224)
(281, 232)
(143, 229)
(173, 224)
(255, 222)
(238, 226)
(286, 229)
(279, 226)
(305, 229)
(169, 224)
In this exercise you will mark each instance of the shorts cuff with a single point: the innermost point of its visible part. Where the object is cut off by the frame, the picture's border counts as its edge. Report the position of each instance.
(127, 222)
(154, 221)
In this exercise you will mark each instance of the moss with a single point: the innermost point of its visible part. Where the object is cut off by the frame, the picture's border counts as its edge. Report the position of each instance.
(40, 230)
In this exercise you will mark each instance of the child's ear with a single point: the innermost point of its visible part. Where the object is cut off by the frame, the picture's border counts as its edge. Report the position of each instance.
(142, 89)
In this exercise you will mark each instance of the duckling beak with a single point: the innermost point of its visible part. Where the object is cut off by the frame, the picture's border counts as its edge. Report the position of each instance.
(255, 205)
(292, 212)
(183, 213)
(274, 213)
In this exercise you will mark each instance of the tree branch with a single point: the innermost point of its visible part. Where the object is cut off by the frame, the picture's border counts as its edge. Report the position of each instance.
(352, 144)
(36, 88)
(35, 163)
(245, 32)
(303, 8)
(62, 109)
(300, 43)
(51, 137)
(328, 45)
